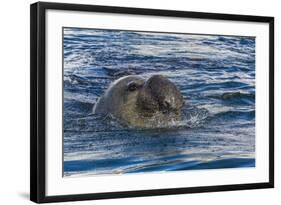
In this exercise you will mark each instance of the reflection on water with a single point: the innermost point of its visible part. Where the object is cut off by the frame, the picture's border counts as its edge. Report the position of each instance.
(215, 74)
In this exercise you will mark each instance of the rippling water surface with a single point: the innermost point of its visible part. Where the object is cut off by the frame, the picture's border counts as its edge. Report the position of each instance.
(215, 74)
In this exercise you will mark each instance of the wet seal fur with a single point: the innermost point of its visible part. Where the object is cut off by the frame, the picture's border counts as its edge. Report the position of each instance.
(142, 103)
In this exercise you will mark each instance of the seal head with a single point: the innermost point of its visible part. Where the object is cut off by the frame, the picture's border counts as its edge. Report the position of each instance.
(142, 103)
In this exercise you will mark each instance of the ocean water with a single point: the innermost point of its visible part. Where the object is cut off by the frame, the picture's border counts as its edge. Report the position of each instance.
(215, 74)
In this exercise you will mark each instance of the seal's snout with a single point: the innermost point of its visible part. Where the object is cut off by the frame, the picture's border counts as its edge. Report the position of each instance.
(165, 93)
(167, 106)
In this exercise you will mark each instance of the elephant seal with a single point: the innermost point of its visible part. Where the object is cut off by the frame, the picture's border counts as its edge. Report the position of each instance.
(142, 103)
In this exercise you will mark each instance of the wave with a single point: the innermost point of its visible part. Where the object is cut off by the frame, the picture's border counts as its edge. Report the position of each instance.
(133, 165)
(236, 115)
(192, 117)
(237, 95)
(235, 98)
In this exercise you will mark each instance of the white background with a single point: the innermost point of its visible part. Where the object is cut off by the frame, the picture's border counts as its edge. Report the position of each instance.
(14, 101)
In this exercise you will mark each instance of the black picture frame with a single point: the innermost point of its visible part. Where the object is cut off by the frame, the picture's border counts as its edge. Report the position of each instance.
(38, 101)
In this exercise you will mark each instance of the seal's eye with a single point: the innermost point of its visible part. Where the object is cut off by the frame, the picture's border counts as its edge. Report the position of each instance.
(132, 86)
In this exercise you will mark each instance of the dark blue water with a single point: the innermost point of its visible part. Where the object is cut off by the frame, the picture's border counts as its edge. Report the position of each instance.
(215, 74)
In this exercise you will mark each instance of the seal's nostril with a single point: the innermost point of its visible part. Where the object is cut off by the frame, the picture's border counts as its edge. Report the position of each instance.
(166, 104)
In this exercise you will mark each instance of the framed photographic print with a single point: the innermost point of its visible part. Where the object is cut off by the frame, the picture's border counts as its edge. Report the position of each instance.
(129, 102)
